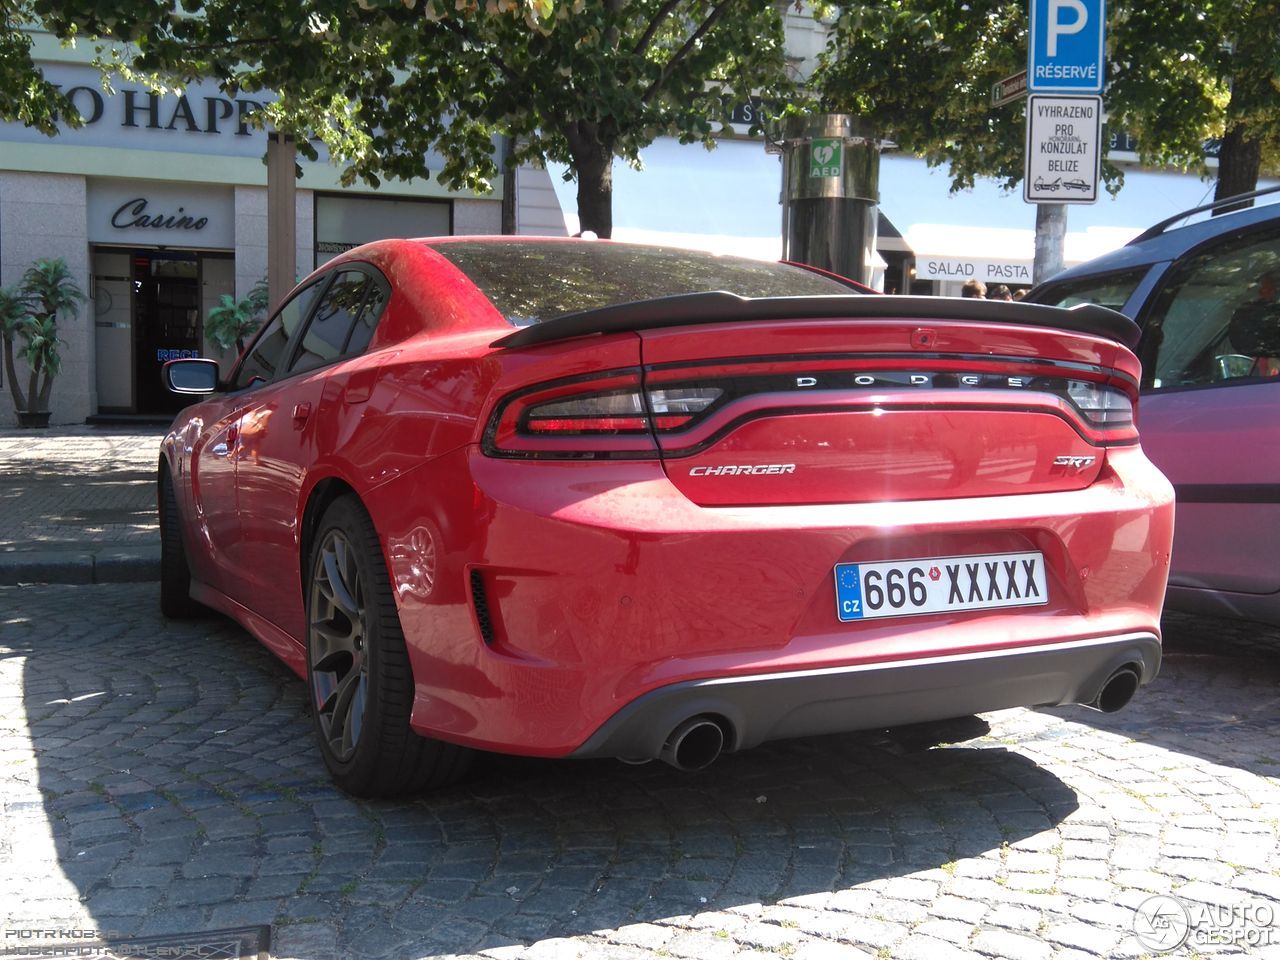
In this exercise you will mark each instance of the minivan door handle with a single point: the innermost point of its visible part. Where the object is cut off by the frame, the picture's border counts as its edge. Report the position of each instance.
(300, 414)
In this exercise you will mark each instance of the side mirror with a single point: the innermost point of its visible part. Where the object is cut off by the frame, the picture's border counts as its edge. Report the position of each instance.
(195, 375)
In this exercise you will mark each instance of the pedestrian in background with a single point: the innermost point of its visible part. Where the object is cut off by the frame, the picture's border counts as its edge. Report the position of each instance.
(975, 289)
(999, 292)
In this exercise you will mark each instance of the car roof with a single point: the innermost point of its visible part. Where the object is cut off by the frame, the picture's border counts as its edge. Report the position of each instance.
(1170, 242)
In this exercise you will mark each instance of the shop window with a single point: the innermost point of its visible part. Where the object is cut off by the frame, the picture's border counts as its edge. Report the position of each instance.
(268, 351)
(332, 324)
(1217, 319)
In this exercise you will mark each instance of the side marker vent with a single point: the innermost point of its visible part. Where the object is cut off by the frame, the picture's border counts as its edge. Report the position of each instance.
(480, 601)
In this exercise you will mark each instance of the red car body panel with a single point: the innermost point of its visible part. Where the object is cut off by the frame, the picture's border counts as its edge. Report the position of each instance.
(600, 581)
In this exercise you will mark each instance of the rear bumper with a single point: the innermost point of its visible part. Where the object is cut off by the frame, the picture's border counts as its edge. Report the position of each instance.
(540, 601)
(871, 696)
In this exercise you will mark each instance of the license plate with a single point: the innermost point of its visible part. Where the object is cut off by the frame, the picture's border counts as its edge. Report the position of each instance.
(903, 588)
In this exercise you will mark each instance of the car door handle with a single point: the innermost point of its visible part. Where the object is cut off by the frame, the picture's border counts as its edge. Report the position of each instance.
(300, 414)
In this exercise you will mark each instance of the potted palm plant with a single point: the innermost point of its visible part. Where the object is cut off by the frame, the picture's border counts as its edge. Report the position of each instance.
(14, 313)
(48, 289)
(233, 321)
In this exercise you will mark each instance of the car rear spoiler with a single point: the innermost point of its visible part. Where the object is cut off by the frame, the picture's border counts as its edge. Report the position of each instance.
(719, 306)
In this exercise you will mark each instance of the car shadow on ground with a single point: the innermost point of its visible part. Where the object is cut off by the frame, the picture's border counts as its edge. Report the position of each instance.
(1216, 697)
(174, 767)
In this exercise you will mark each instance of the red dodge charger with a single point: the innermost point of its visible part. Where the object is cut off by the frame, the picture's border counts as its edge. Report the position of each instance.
(573, 498)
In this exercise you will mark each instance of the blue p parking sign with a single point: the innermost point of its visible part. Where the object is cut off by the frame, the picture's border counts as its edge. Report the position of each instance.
(1066, 52)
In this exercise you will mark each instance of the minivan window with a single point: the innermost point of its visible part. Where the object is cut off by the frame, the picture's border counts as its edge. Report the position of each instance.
(1217, 318)
(1110, 290)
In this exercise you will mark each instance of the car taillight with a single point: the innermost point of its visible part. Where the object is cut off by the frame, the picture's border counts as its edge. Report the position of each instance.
(1106, 406)
(604, 417)
(594, 413)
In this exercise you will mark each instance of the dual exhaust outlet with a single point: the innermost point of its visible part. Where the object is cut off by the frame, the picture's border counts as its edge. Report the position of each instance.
(698, 741)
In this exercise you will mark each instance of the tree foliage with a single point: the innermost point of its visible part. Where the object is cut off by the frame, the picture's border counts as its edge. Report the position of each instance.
(1180, 72)
(385, 84)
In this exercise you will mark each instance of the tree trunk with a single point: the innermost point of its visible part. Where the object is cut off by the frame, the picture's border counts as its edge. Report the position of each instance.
(46, 388)
(32, 393)
(1239, 161)
(19, 401)
(593, 163)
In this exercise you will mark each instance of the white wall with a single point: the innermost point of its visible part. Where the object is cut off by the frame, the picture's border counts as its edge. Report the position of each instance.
(538, 211)
(305, 240)
(251, 238)
(44, 215)
(477, 217)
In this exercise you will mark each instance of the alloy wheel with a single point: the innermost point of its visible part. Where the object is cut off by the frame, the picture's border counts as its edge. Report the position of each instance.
(336, 644)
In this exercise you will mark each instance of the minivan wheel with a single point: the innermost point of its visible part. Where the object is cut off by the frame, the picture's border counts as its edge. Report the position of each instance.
(358, 667)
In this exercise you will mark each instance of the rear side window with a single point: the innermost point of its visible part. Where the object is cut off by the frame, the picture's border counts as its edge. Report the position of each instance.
(1217, 319)
(362, 332)
(1110, 290)
(326, 337)
(529, 283)
(268, 353)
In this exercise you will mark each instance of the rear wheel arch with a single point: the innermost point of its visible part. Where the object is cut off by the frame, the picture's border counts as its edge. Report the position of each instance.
(324, 492)
(359, 674)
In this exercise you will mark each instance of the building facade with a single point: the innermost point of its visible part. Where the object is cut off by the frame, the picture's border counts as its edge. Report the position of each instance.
(158, 205)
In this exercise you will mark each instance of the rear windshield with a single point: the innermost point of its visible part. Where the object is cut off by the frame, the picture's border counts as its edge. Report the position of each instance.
(529, 283)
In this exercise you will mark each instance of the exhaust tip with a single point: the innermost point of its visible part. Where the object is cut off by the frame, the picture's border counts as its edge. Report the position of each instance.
(1118, 690)
(694, 744)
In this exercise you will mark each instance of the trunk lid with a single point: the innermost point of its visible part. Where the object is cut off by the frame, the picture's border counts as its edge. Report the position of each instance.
(916, 405)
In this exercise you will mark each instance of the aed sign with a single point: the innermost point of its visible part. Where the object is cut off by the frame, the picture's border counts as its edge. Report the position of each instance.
(1064, 156)
(825, 158)
(1066, 50)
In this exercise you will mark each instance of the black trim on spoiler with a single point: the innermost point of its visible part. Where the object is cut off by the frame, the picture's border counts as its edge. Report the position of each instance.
(719, 306)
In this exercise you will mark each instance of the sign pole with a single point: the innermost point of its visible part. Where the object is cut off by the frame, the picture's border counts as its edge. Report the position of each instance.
(1066, 69)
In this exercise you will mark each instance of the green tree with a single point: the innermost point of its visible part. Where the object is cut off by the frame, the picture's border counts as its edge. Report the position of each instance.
(1179, 73)
(1184, 71)
(386, 83)
(25, 95)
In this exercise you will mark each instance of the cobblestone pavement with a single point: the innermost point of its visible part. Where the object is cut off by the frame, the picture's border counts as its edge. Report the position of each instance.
(75, 486)
(77, 505)
(158, 778)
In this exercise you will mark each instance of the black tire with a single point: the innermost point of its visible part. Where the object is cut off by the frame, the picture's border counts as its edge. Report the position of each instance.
(175, 575)
(358, 669)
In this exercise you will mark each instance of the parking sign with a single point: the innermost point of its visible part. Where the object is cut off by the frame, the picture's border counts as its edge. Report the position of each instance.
(1064, 137)
(1066, 52)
